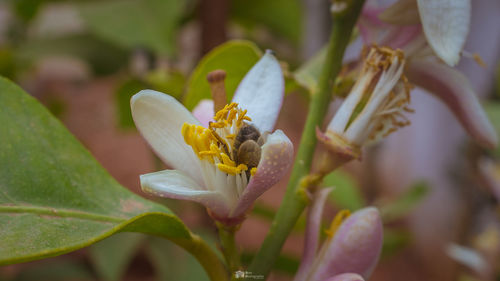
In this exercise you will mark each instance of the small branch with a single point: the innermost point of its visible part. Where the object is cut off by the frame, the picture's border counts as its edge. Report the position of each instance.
(205, 256)
(229, 248)
(295, 200)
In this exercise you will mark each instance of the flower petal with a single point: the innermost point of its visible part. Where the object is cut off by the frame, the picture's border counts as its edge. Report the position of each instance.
(276, 158)
(446, 25)
(468, 257)
(204, 112)
(346, 277)
(312, 233)
(261, 92)
(159, 118)
(354, 248)
(177, 185)
(403, 12)
(453, 88)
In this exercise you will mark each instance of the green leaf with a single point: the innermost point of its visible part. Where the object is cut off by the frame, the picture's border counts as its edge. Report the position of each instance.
(55, 270)
(345, 193)
(235, 57)
(308, 74)
(492, 109)
(54, 196)
(135, 23)
(122, 98)
(112, 255)
(395, 240)
(171, 263)
(103, 57)
(405, 203)
(169, 82)
(283, 17)
(285, 263)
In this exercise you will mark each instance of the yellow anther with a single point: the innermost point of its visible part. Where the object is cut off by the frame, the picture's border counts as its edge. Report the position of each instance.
(228, 169)
(337, 221)
(219, 124)
(241, 116)
(227, 161)
(207, 153)
(247, 118)
(230, 136)
(253, 171)
(231, 116)
(242, 167)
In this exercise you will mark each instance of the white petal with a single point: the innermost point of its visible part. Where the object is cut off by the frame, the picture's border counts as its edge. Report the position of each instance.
(261, 92)
(276, 158)
(175, 184)
(446, 25)
(159, 118)
(204, 112)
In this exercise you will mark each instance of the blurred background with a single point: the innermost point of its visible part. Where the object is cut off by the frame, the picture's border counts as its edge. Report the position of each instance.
(85, 59)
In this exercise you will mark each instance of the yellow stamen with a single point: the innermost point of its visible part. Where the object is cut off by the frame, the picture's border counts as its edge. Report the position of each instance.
(253, 171)
(337, 221)
(232, 170)
(227, 161)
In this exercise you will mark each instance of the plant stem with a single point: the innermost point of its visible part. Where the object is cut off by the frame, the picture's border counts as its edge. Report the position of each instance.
(205, 256)
(296, 198)
(229, 248)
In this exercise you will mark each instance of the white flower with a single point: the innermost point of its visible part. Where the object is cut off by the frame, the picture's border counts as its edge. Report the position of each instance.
(375, 106)
(204, 159)
(431, 32)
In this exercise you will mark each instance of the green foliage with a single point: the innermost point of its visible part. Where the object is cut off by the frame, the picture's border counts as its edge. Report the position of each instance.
(103, 57)
(26, 9)
(492, 109)
(7, 62)
(235, 57)
(345, 193)
(54, 270)
(111, 256)
(285, 263)
(405, 203)
(394, 241)
(135, 23)
(122, 98)
(282, 17)
(55, 197)
(169, 82)
(308, 74)
(171, 263)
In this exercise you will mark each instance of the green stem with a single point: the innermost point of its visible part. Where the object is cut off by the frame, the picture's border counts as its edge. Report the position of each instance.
(296, 199)
(205, 256)
(229, 248)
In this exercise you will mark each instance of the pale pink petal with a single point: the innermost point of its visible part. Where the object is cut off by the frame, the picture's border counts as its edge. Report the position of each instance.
(204, 112)
(177, 185)
(312, 233)
(403, 12)
(346, 277)
(261, 92)
(354, 248)
(277, 156)
(159, 118)
(454, 89)
(446, 25)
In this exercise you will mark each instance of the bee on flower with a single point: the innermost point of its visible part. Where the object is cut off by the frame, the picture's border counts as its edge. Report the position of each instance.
(228, 163)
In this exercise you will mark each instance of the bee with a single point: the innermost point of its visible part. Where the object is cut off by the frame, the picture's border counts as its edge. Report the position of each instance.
(247, 146)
